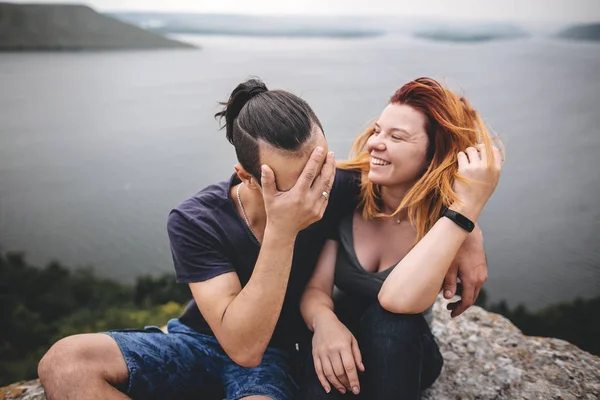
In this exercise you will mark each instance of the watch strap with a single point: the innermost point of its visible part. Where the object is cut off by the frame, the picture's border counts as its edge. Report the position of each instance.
(459, 219)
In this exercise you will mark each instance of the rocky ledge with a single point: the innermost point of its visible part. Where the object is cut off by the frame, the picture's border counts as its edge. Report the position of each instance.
(486, 357)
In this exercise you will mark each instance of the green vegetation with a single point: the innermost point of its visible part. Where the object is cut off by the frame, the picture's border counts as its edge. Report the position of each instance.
(38, 306)
(577, 321)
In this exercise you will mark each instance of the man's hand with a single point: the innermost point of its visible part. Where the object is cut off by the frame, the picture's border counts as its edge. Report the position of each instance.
(336, 355)
(304, 204)
(470, 265)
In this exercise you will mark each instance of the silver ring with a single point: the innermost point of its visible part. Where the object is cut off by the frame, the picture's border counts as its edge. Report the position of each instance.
(325, 194)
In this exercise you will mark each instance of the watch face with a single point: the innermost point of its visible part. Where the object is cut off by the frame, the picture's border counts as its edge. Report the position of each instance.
(464, 221)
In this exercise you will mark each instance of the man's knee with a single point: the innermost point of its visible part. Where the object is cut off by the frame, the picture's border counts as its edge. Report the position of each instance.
(82, 357)
(61, 360)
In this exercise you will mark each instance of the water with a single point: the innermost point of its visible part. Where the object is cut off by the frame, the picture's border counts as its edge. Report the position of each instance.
(96, 148)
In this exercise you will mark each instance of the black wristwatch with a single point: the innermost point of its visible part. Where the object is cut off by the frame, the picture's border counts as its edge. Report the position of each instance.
(459, 219)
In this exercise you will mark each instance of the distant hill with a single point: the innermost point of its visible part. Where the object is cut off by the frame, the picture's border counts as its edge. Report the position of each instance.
(250, 25)
(589, 32)
(471, 32)
(71, 27)
(321, 26)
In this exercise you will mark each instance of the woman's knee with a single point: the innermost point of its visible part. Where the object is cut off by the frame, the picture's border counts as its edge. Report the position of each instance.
(378, 322)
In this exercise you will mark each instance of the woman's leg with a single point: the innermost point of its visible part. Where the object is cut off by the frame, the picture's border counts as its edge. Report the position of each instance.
(311, 388)
(401, 357)
(349, 310)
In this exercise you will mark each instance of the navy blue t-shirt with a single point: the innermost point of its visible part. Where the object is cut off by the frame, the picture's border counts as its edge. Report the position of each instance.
(209, 238)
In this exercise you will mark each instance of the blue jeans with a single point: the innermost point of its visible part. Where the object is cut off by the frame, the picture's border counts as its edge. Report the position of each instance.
(186, 364)
(399, 352)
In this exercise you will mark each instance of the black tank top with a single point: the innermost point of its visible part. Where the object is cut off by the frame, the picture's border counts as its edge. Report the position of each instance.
(350, 277)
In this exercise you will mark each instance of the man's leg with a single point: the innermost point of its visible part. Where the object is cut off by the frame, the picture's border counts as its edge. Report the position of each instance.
(256, 398)
(83, 367)
(400, 356)
(144, 364)
(270, 380)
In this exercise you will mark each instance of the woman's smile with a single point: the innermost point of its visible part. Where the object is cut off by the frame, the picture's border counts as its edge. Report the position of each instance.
(379, 162)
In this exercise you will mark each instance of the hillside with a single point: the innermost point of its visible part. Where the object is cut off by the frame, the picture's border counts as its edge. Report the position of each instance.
(25, 27)
(589, 32)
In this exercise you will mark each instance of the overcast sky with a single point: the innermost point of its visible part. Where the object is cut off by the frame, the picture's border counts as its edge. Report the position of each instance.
(522, 10)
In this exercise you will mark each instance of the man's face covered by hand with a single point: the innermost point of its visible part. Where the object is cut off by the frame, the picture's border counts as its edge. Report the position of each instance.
(288, 165)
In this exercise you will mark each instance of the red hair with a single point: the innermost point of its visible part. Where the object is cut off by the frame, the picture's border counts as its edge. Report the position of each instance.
(452, 126)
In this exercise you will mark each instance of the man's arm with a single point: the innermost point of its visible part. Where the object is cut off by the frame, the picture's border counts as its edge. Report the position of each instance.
(470, 265)
(243, 319)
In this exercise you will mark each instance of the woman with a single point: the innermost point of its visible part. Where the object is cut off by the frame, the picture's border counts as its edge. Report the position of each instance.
(427, 153)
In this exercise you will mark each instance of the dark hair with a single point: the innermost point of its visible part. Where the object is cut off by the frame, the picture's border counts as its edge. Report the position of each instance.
(277, 117)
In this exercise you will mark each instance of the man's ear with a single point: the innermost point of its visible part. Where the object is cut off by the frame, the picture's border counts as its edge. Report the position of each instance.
(249, 180)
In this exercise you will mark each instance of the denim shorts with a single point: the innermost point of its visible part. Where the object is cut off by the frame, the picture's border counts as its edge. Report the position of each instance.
(186, 364)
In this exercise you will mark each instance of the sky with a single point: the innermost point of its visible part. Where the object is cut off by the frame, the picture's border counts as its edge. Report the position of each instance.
(518, 10)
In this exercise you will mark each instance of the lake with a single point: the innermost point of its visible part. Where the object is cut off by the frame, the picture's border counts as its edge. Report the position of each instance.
(96, 148)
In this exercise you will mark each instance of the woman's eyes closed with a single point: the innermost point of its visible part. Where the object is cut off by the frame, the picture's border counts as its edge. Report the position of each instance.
(377, 131)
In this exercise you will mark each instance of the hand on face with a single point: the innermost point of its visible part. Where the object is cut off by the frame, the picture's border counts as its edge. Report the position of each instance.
(291, 211)
(336, 356)
(482, 179)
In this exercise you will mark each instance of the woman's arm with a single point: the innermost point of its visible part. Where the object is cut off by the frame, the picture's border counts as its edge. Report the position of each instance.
(335, 350)
(415, 282)
(316, 301)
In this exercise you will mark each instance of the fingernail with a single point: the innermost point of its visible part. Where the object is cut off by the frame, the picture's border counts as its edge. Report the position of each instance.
(262, 170)
(343, 391)
(328, 389)
(363, 366)
(355, 390)
(320, 150)
(448, 293)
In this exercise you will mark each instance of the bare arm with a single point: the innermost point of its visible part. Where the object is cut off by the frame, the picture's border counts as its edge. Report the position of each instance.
(335, 350)
(316, 301)
(415, 282)
(243, 320)
(471, 265)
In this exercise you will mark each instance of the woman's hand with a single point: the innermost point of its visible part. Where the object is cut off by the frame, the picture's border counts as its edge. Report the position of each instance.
(336, 355)
(479, 180)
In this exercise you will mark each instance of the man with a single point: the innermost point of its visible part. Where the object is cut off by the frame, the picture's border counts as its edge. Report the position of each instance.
(246, 247)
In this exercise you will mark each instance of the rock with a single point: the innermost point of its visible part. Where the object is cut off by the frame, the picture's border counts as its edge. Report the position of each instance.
(24, 391)
(506, 364)
(485, 357)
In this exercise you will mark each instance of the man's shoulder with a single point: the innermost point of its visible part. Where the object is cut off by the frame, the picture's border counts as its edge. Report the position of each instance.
(347, 176)
(207, 206)
(346, 187)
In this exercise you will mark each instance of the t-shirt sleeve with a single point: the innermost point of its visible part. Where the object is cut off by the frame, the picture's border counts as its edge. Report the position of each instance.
(198, 252)
(345, 196)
